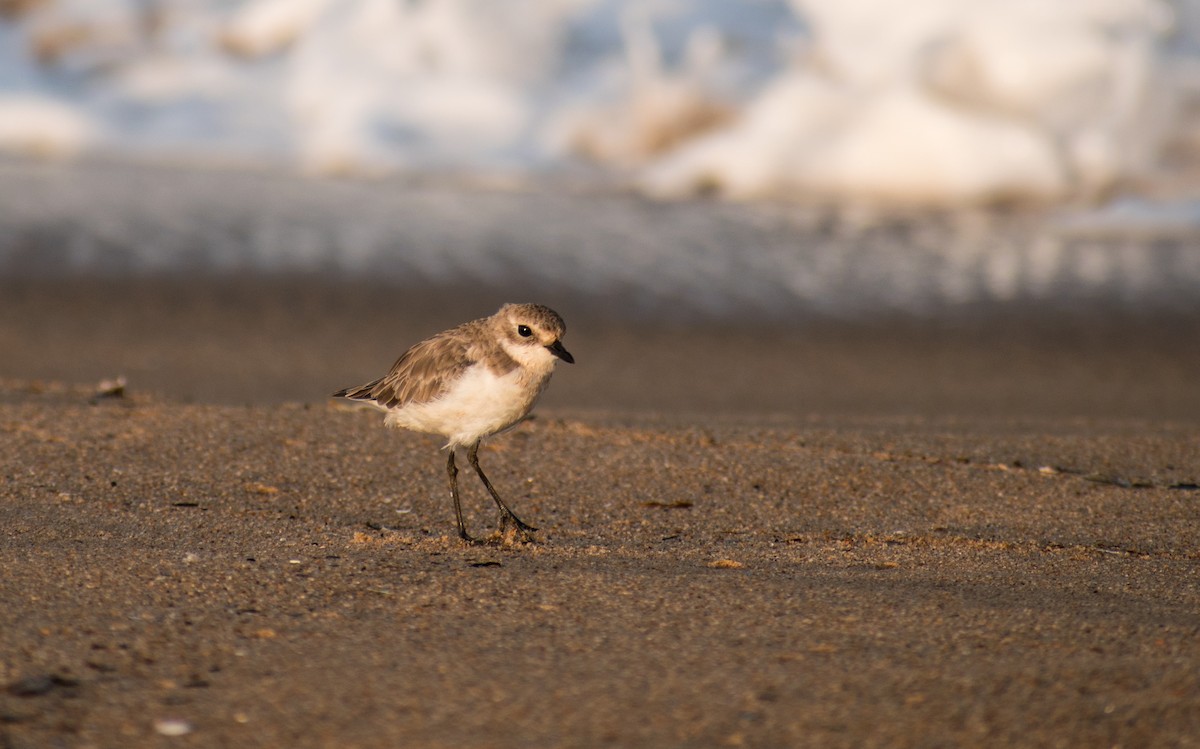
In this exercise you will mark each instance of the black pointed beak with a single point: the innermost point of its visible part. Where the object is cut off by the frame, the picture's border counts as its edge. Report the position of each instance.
(557, 349)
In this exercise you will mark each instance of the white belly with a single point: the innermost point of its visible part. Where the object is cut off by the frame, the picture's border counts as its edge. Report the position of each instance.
(479, 404)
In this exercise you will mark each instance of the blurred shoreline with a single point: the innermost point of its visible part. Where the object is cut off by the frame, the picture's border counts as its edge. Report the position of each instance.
(265, 287)
(608, 251)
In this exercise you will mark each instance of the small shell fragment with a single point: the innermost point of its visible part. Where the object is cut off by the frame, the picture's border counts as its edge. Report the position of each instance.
(172, 727)
(726, 564)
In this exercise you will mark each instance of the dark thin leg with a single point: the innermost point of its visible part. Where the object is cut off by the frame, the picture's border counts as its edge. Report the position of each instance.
(505, 513)
(452, 472)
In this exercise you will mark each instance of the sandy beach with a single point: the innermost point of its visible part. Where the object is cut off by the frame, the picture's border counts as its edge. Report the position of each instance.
(917, 536)
(883, 431)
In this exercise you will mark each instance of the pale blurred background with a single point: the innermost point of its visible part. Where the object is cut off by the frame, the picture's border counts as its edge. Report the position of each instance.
(734, 165)
(946, 102)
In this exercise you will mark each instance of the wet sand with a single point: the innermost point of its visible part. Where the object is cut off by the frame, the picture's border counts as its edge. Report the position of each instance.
(905, 537)
(277, 340)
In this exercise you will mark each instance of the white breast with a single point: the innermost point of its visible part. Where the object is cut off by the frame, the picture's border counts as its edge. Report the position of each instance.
(477, 405)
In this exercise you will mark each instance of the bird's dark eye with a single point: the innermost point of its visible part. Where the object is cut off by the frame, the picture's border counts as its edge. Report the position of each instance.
(524, 331)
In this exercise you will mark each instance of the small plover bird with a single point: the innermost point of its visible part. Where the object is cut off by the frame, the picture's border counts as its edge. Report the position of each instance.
(471, 382)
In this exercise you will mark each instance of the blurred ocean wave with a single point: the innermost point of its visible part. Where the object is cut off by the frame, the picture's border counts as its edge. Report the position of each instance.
(928, 158)
(936, 102)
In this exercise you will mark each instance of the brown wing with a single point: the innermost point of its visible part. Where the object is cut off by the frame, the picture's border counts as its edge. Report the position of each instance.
(422, 373)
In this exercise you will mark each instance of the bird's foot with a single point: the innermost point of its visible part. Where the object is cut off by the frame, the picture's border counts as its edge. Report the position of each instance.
(470, 540)
(507, 517)
(511, 532)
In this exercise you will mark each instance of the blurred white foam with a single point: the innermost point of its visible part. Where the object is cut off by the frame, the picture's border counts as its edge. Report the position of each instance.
(42, 126)
(930, 101)
(945, 102)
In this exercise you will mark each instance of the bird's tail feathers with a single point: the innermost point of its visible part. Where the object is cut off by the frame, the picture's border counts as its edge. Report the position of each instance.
(361, 393)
